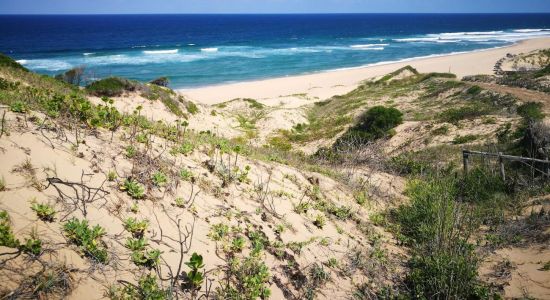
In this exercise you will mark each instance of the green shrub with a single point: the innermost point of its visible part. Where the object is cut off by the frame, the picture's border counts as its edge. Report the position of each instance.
(87, 239)
(249, 280)
(44, 211)
(445, 274)
(111, 87)
(482, 186)
(32, 246)
(473, 90)
(237, 244)
(159, 179)
(531, 111)
(7, 238)
(136, 244)
(218, 231)
(443, 264)
(192, 108)
(194, 276)
(464, 139)
(6, 61)
(133, 188)
(186, 174)
(375, 123)
(131, 151)
(319, 221)
(19, 107)
(146, 258)
(135, 227)
(472, 111)
(147, 288)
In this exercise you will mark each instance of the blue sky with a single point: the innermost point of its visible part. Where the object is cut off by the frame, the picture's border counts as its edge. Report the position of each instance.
(268, 6)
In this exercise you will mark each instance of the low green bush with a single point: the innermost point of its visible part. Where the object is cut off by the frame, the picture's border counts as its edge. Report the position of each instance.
(135, 227)
(133, 188)
(375, 123)
(6, 61)
(111, 87)
(87, 239)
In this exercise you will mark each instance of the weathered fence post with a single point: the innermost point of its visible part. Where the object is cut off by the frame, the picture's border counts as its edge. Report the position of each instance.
(465, 159)
(501, 163)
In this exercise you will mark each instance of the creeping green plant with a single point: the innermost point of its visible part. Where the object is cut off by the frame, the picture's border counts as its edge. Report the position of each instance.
(44, 211)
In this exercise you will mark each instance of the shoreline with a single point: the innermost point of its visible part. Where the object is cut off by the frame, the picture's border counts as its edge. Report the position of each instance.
(325, 84)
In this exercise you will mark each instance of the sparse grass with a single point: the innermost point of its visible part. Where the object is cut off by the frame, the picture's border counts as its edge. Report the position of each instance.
(2, 184)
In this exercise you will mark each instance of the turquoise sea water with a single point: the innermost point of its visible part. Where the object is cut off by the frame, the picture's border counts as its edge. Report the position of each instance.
(198, 50)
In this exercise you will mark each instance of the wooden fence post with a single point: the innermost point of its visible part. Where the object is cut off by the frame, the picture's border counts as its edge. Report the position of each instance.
(465, 159)
(501, 163)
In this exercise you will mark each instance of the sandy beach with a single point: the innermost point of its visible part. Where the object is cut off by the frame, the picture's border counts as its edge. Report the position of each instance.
(327, 84)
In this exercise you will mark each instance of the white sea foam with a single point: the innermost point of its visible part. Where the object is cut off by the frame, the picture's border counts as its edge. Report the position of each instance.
(209, 49)
(530, 30)
(190, 44)
(88, 53)
(171, 51)
(45, 64)
(368, 46)
(477, 37)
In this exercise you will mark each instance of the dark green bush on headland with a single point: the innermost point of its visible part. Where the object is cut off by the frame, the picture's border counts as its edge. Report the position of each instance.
(531, 111)
(375, 123)
(111, 87)
(6, 61)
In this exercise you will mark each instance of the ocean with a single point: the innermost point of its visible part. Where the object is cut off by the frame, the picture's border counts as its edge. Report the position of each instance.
(200, 50)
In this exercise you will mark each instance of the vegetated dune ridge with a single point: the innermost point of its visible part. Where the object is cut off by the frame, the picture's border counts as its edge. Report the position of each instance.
(310, 198)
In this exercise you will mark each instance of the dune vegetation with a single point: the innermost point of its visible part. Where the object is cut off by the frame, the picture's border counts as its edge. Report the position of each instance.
(129, 190)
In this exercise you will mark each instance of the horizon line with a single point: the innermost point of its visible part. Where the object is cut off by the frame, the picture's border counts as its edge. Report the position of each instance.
(274, 13)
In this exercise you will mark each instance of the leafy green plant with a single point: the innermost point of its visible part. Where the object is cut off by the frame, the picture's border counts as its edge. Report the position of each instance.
(133, 188)
(186, 174)
(237, 245)
(131, 151)
(146, 258)
(7, 238)
(87, 239)
(32, 245)
(185, 148)
(135, 227)
(136, 244)
(179, 202)
(19, 107)
(159, 179)
(44, 211)
(218, 231)
(319, 221)
(147, 288)
(249, 280)
(111, 176)
(194, 276)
